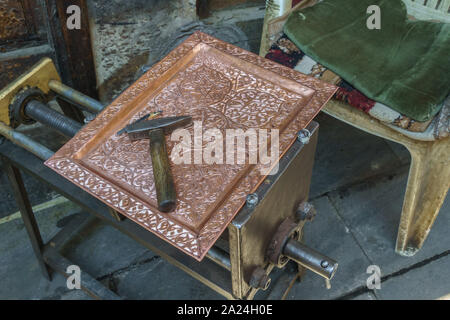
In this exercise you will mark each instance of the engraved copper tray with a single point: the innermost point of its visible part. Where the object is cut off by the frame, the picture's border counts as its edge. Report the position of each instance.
(216, 83)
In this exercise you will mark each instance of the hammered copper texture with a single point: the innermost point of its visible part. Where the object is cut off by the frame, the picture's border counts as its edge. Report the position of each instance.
(223, 87)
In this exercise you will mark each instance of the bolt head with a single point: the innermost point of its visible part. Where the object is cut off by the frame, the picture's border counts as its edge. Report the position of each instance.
(306, 211)
(303, 136)
(252, 200)
(89, 117)
(324, 264)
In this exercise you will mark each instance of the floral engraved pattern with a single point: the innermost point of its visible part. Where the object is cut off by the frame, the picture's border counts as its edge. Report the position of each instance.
(223, 87)
(252, 108)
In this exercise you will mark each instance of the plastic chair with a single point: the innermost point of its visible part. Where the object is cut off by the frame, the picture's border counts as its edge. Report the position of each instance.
(429, 174)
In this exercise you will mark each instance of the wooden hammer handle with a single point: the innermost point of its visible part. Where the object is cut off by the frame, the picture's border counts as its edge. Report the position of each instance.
(164, 185)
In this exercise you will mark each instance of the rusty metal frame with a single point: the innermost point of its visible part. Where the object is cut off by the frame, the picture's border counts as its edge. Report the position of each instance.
(228, 280)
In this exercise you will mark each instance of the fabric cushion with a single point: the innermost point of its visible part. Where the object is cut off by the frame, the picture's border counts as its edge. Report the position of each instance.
(287, 53)
(404, 65)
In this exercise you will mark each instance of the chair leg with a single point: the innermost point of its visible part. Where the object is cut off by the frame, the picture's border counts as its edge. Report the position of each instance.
(428, 183)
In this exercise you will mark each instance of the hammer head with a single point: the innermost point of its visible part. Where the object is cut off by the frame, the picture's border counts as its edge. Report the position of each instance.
(140, 130)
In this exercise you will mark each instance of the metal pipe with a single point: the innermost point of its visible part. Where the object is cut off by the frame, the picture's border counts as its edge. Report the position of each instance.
(220, 257)
(25, 142)
(45, 115)
(310, 259)
(74, 96)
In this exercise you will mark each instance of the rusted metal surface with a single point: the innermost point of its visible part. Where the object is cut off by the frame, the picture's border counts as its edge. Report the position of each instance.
(10, 70)
(259, 279)
(287, 229)
(32, 29)
(216, 83)
(12, 20)
(21, 24)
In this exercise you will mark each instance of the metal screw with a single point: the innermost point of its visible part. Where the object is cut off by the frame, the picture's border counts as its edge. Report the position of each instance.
(324, 264)
(252, 200)
(303, 136)
(89, 117)
(45, 115)
(305, 211)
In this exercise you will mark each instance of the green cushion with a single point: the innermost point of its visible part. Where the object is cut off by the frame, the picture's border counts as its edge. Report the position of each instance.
(405, 64)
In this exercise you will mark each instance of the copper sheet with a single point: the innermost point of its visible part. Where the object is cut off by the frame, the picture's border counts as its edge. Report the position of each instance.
(216, 83)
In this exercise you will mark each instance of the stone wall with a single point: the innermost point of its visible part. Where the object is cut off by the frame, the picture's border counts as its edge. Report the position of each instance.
(124, 33)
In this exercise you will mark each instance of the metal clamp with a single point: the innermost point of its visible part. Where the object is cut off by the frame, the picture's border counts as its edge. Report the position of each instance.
(17, 113)
(288, 229)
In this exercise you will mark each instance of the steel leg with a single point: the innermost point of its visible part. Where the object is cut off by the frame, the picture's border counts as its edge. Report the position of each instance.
(20, 194)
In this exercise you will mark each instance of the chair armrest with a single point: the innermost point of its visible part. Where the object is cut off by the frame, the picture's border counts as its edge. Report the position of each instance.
(273, 28)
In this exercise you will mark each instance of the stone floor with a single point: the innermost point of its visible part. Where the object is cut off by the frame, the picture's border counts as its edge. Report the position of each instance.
(357, 187)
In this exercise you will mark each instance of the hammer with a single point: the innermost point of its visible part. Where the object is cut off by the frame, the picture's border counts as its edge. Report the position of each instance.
(155, 129)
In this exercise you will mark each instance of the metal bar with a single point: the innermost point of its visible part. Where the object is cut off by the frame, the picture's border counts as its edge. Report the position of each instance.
(89, 284)
(220, 257)
(215, 254)
(310, 259)
(20, 194)
(37, 149)
(208, 272)
(46, 115)
(25, 142)
(74, 226)
(26, 52)
(74, 96)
